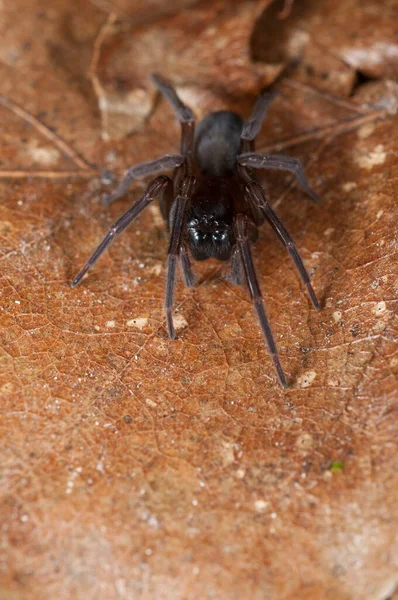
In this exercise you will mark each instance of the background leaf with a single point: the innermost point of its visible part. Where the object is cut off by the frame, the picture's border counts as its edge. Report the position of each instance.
(136, 467)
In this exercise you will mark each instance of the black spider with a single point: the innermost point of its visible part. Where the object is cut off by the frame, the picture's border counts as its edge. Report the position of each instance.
(213, 204)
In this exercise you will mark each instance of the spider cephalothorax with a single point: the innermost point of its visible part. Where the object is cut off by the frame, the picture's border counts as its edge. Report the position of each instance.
(213, 204)
(209, 220)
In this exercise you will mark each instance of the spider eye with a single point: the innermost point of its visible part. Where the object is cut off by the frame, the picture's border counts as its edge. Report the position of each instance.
(197, 236)
(220, 236)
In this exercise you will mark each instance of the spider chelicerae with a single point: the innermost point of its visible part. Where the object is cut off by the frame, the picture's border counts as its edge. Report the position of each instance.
(212, 204)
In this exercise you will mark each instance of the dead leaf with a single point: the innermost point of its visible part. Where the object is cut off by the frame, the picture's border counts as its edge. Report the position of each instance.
(136, 467)
(191, 46)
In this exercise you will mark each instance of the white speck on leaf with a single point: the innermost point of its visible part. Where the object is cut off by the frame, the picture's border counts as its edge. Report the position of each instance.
(366, 130)
(379, 308)
(138, 323)
(180, 322)
(306, 379)
(260, 505)
(376, 157)
(336, 316)
(349, 186)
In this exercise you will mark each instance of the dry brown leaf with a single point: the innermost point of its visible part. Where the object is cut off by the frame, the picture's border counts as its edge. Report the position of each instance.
(136, 467)
(207, 46)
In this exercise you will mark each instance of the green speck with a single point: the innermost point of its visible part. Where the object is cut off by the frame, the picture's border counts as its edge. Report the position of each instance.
(337, 466)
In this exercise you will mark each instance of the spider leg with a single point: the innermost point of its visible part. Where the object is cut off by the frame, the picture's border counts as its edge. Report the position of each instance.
(183, 113)
(120, 225)
(255, 160)
(187, 273)
(181, 203)
(169, 161)
(255, 194)
(253, 126)
(236, 267)
(243, 243)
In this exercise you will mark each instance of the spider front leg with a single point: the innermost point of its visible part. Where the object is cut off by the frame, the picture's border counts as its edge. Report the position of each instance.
(254, 160)
(243, 243)
(181, 203)
(253, 126)
(153, 190)
(169, 161)
(255, 195)
(183, 113)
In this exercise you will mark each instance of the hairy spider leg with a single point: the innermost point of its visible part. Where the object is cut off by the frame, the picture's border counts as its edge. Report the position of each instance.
(169, 161)
(187, 120)
(181, 203)
(152, 191)
(243, 243)
(254, 124)
(236, 267)
(183, 113)
(255, 194)
(255, 160)
(187, 273)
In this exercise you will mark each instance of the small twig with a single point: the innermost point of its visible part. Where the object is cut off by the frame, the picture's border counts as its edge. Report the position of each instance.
(45, 174)
(92, 71)
(53, 137)
(334, 130)
(326, 95)
(105, 27)
(109, 7)
(285, 12)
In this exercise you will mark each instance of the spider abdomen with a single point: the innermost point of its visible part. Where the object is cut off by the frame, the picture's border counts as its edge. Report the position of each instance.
(217, 143)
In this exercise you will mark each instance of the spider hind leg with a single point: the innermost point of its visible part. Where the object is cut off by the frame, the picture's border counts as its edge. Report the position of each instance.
(255, 195)
(243, 243)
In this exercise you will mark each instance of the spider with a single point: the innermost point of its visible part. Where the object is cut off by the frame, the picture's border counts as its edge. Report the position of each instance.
(212, 204)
